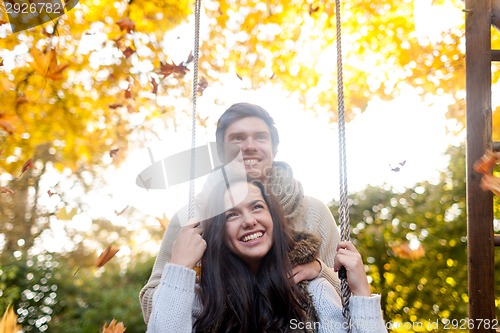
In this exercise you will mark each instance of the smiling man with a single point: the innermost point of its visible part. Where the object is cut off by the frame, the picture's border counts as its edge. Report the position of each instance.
(252, 129)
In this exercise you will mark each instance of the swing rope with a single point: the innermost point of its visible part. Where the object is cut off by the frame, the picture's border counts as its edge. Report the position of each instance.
(195, 96)
(344, 204)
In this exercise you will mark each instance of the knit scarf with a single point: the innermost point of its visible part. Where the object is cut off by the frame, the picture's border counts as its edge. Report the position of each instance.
(288, 190)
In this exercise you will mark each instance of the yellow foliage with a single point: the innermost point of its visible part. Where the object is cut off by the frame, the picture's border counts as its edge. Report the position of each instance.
(8, 324)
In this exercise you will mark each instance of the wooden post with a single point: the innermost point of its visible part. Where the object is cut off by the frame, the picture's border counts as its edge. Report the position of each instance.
(478, 123)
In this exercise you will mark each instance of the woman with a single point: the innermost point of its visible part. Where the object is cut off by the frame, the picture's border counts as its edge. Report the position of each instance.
(246, 283)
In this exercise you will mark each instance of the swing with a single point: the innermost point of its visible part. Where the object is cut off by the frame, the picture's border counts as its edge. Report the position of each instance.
(343, 205)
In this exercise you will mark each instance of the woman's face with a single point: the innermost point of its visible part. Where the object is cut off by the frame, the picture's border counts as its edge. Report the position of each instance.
(249, 226)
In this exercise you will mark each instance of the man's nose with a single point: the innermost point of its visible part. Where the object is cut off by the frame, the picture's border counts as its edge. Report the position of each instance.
(248, 144)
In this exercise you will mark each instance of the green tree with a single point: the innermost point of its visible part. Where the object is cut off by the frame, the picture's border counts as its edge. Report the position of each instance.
(414, 245)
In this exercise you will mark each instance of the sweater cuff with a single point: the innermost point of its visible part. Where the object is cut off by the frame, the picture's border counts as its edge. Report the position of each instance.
(179, 277)
(365, 307)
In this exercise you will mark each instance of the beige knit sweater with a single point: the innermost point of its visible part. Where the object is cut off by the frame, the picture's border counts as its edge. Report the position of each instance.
(304, 213)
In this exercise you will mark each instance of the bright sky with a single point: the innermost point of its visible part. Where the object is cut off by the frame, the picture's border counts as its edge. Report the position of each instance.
(385, 135)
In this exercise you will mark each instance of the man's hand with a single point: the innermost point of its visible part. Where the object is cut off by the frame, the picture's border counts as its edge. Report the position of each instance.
(304, 272)
(189, 246)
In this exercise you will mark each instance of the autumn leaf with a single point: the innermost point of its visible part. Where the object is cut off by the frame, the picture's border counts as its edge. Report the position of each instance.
(128, 52)
(126, 24)
(115, 105)
(239, 76)
(122, 211)
(155, 86)
(113, 327)
(487, 162)
(490, 183)
(9, 321)
(164, 221)
(45, 64)
(202, 85)
(113, 152)
(106, 255)
(27, 165)
(128, 93)
(50, 193)
(6, 190)
(166, 69)
(190, 58)
(1, 62)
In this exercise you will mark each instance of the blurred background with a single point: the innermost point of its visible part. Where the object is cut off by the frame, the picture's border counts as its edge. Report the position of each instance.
(93, 97)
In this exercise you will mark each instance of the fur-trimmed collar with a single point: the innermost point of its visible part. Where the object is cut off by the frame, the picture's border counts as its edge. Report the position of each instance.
(305, 249)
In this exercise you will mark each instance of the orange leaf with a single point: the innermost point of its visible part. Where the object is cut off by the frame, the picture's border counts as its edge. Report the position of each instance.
(166, 69)
(106, 256)
(126, 24)
(6, 190)
(128, 52)
(8, 324)
(50, 193)
(164, 221)
(487, 162)
(113, 327)
(491, 183)
(45, 64)
(115, 105)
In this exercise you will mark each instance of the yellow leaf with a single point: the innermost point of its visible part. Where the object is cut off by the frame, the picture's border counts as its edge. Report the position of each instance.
(45, 64)
(164, 221)
(9, 322)
(106, 256)
(113, 327)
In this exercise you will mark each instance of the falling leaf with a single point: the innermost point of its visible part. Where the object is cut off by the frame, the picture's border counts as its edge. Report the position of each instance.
(155, 86)
(113, 327)
(8, 324)
(122, 211)
(6, 190)
(126, 24)
(239, 76)
(397, 168)
(128, 93)
(487, 162)
(113, 152)
(164, 221)
(128, 52)
(313, 9)
(190, 58)
(45, 64)
(27, 165)
(50, 193)
(166, 69)
(115, 105)
(402, 163)
(64, 215)
(202, 85)
(106, 255)
(202, 121)
(490, 183)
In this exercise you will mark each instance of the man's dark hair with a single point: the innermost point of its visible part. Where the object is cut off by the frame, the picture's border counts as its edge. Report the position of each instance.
(243, 110)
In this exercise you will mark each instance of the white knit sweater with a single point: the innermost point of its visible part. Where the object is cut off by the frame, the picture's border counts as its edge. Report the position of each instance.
(304, 213)
(176, 306)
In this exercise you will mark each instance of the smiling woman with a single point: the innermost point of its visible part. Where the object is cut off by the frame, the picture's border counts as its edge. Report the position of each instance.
(245, 279)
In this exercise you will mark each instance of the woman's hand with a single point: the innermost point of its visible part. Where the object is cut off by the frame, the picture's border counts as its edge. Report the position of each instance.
(349, 257)
(304, 272)
(189, 246)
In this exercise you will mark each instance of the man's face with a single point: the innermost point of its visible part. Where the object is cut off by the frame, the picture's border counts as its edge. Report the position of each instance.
(252, 135)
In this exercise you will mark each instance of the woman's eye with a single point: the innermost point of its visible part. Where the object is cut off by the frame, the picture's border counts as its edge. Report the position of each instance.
(259, 206)
(230, 216)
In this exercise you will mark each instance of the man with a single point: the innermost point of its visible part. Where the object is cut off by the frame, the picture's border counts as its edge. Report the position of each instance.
(252, 129)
